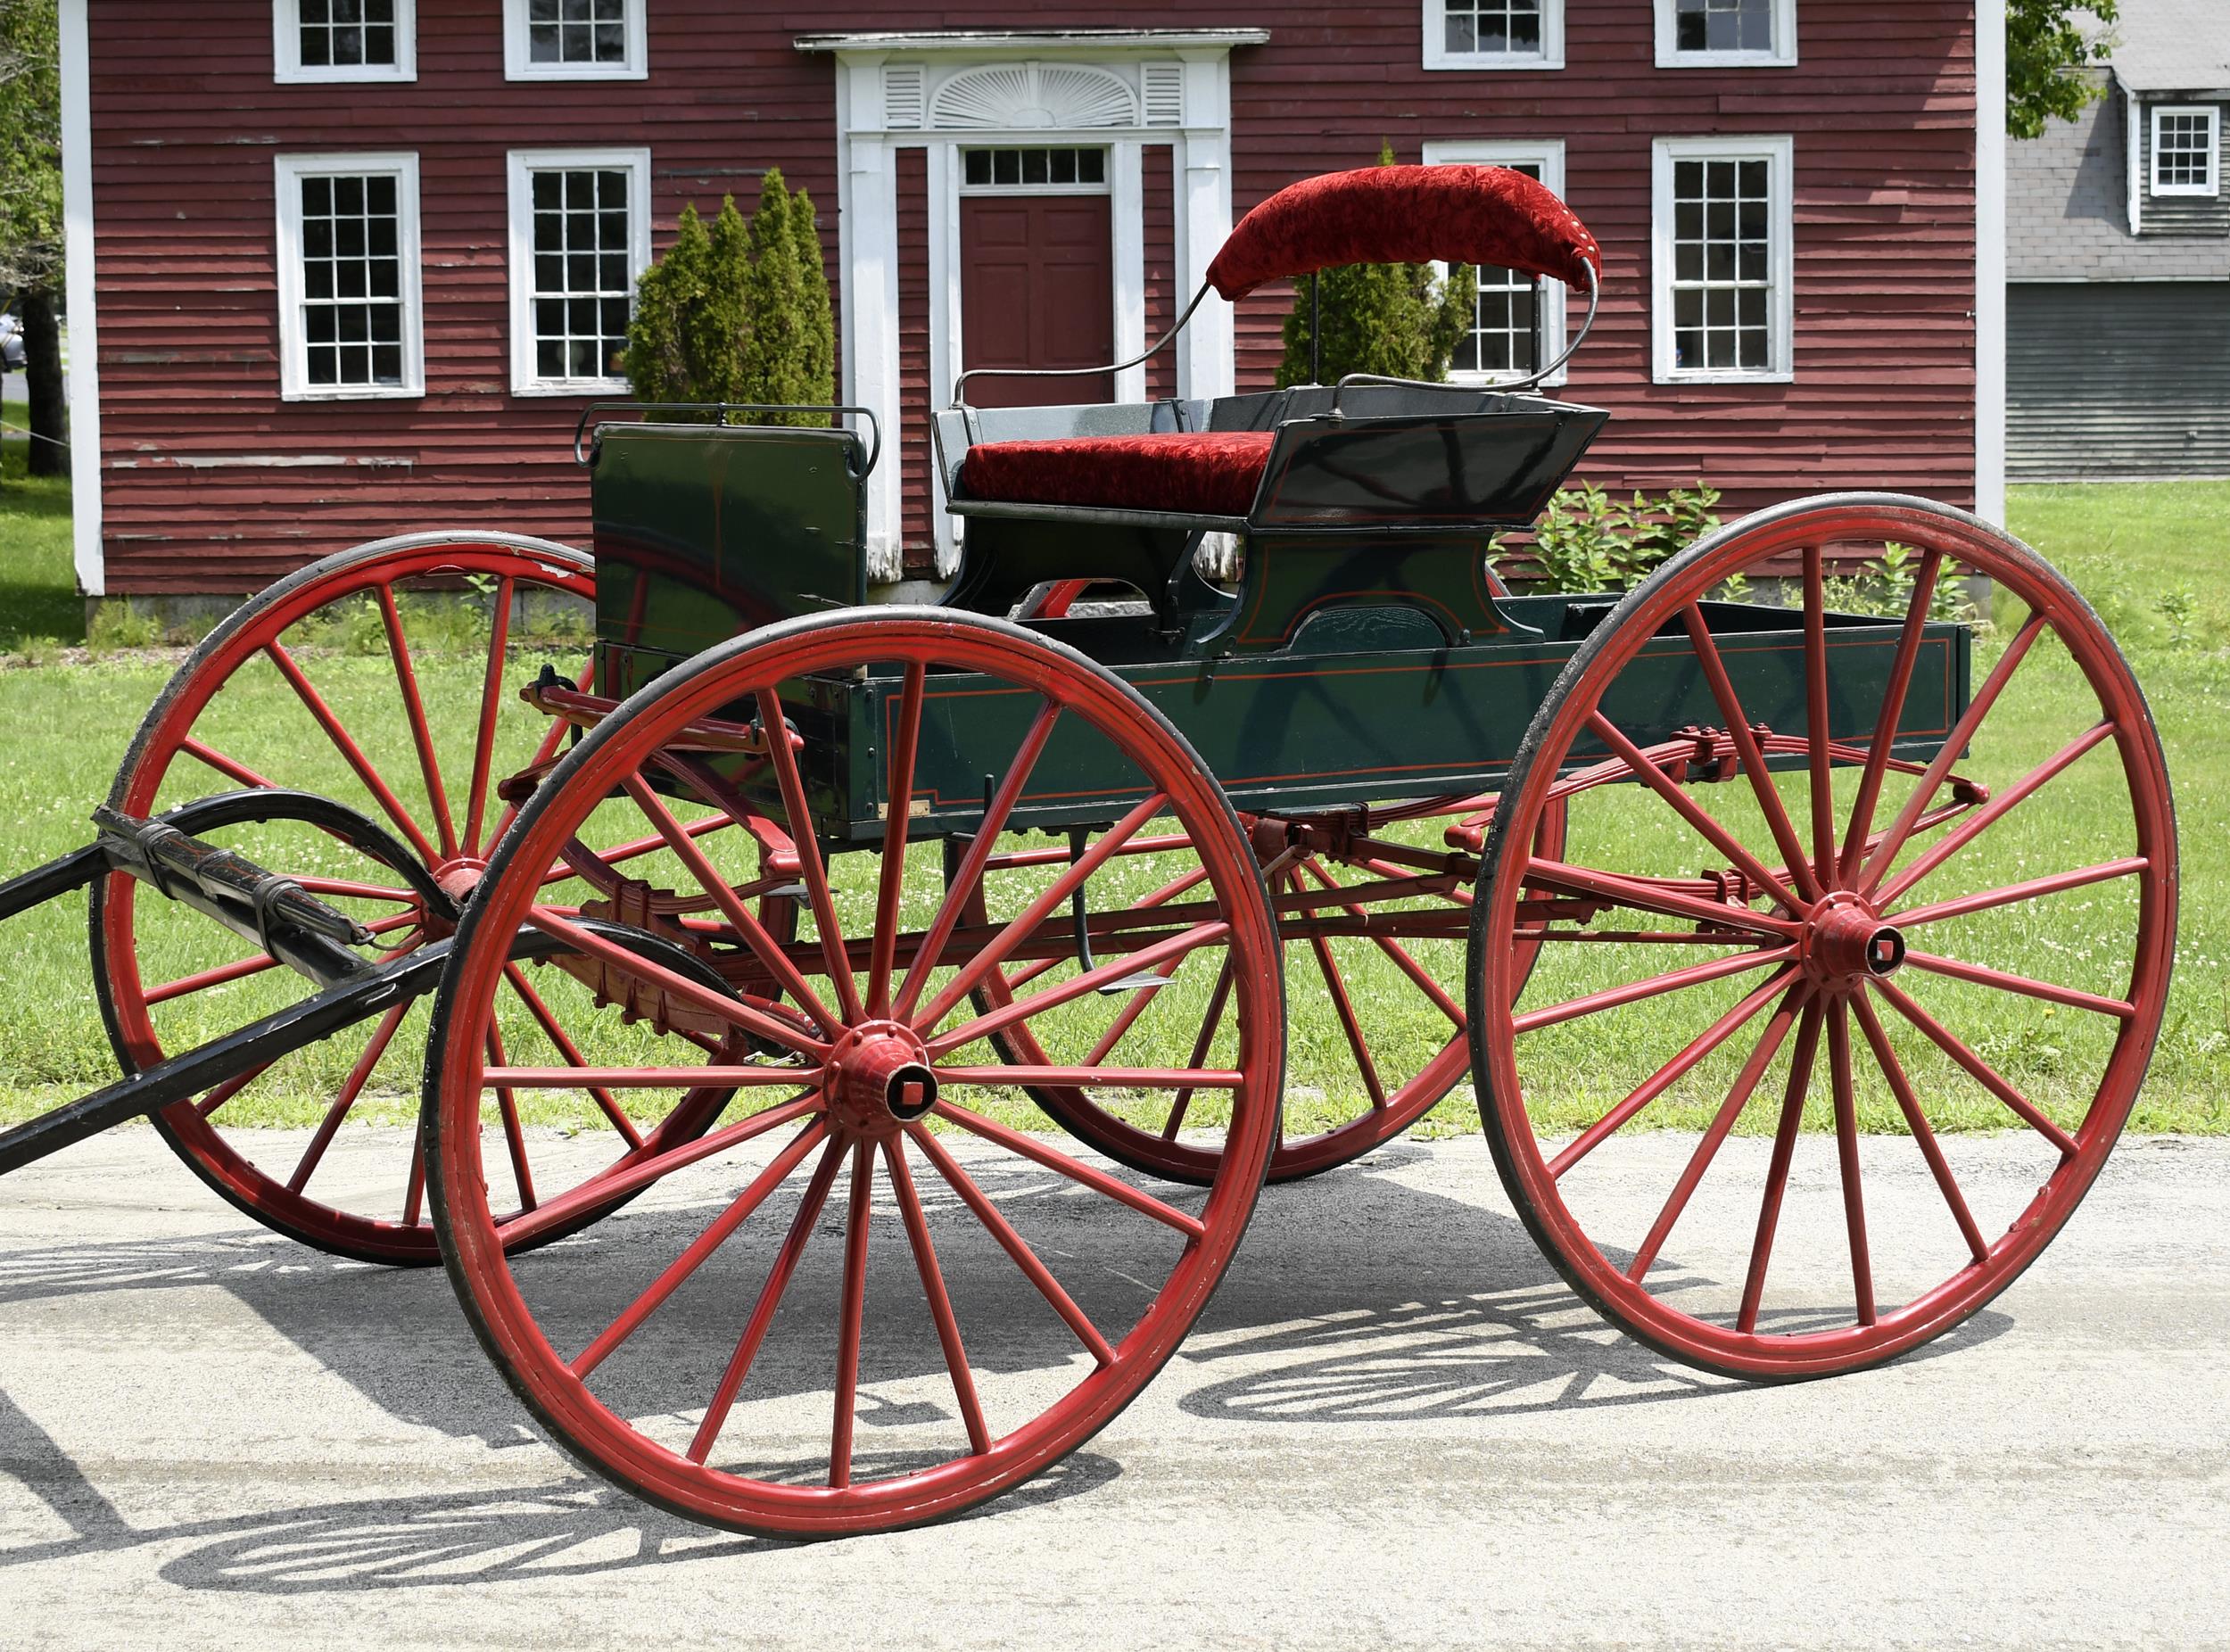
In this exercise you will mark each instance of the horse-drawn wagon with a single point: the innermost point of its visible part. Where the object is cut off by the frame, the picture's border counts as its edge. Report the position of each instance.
(810, 899)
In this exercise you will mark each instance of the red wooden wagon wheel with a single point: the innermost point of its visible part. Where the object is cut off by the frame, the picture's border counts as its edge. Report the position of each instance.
(1375, 1021)
(358, 678)
(994, 1300)
(1848, 935)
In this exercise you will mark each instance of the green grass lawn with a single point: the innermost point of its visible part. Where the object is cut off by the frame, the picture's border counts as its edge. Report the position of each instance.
(2144, 554)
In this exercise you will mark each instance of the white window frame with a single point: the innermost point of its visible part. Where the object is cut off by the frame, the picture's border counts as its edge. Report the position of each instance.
(522, 164)
(1438, 56)
(2212, 188)
(287, 68)
(1547, 154)
(1105, 186)
(1780, 153)
(1782, 54)
(518, 60)
(290, 171)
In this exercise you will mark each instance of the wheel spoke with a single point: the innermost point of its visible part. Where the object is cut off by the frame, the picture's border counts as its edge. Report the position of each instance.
(995, 951)
(732, 1010)
(565, 1047)
(1817, 726)
(507, 1110)
(892, 889)
(754, 1330)
(2006, 981)
(1651, 986)
(1007, 1076)
(1978, 1069)
(1342, 1007)
(637, 1170)
(1128, 1016)
(753, 934)
(1111, 1186)
(852, 1312)
(413, 710)
(1171, 951)
(1846, 1157)
(1641, 896)
(1991, 813)
(414, 1189)
(1885, 852)
(1777, 1171)
(1217, 1000)
(1909, 1104)
(201, 980)
(927, 955)
(810, 864)
(1670, 1074)
(351, 1088)
(1699, 1161)
(491, 700)
(1013, 1244)
(1753, 769)
(382, 793)
(2013, 894)
(1893, 700)
(933, 1287)
(544, 750)
(678, 1272)
(1689, 809)
(1419, 976)
(231, 768)
(231, 1087)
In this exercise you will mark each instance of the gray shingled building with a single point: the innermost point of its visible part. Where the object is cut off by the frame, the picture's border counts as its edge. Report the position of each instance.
(2118, 263)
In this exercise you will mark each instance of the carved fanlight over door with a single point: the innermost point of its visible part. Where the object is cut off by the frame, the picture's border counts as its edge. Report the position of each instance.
(1012, 97)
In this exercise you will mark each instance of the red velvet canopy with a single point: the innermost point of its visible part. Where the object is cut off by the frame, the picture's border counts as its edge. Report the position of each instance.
(1407, 215)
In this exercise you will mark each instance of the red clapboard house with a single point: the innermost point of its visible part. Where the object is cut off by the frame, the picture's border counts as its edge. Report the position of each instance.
(344, 268)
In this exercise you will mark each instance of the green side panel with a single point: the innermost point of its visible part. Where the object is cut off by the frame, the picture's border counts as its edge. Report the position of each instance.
(1295, 732)
(704, 532)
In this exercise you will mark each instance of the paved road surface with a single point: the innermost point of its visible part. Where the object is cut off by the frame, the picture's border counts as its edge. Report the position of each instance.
(1392, 1430)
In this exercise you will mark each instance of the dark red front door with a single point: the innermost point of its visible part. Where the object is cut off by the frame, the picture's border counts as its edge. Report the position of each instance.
(1036, 291)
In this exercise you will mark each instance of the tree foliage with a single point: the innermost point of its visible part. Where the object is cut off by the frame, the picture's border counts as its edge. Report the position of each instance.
(2047, 44)
(739, 312)
(30, 145)
(1401, 321)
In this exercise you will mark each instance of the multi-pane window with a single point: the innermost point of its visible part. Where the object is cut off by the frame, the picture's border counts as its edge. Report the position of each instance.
(1723, 25)
(579, 239)
(1030, 168)
(1494, 34)
(1726, 32)
(352, 281)
(1724, 229)
(1505, 332)
(348, 275)
(1497, 27)
(344, 39)
(2185, 144)
(347, 33)
(573, 39)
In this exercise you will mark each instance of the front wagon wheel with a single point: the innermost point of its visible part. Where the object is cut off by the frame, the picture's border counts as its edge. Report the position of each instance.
(1833, 890)
(863, 1299)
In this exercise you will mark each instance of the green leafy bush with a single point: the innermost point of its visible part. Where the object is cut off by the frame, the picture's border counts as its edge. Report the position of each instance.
(739, 312)
(1587, 540)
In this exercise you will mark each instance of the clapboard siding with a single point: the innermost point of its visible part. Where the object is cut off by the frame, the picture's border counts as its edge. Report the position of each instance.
(202, 480)
(2121, 378)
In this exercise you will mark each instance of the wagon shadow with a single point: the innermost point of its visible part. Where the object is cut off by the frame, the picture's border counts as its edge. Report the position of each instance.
(574, 1529)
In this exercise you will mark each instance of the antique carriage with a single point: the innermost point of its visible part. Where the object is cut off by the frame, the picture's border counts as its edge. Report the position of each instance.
(766, 884)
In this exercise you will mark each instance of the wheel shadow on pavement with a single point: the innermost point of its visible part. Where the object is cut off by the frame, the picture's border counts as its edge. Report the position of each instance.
(1453, 1311)
(573, 1529)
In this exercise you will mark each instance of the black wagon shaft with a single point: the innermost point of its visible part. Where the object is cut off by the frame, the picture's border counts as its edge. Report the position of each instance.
(1236, 801)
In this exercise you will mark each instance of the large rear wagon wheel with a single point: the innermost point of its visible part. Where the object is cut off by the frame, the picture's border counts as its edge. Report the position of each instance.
(994, 1299)
(1878, 946)
(1374, 1019)
(385, 677)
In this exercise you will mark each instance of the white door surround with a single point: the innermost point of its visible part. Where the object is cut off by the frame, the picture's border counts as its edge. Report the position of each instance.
(1122, 90)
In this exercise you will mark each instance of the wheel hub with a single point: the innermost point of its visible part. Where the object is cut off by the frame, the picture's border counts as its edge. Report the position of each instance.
(879, 1080)
(1846, 942)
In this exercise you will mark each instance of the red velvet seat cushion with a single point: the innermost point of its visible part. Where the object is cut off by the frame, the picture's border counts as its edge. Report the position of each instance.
(1196, 473)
